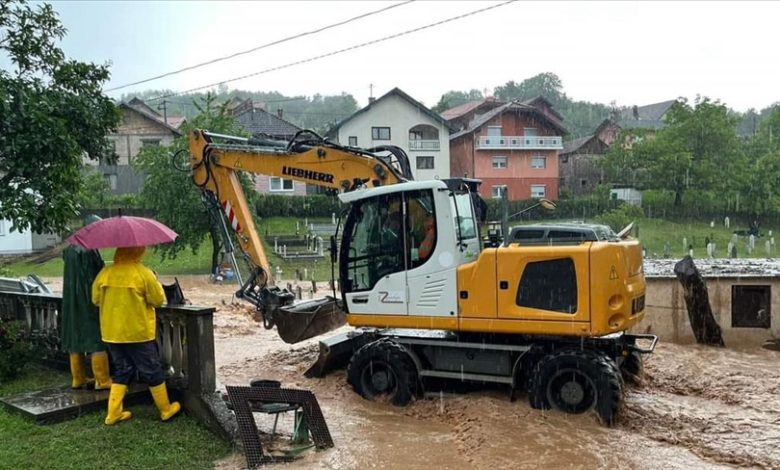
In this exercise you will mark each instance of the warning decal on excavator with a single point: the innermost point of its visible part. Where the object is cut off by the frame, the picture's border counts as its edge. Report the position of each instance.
(613, 273)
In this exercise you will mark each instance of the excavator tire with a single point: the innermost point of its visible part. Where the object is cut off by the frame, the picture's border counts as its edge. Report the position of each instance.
(577, 381)
(383, 368)
(631, 368)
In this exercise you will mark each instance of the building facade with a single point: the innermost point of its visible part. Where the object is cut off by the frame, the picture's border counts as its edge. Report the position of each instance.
(512, 147)
(398, 119)
(254, 118)
(139, 126)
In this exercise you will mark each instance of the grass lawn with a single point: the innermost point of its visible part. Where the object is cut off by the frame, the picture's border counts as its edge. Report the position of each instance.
(653, 233)
(144, 442)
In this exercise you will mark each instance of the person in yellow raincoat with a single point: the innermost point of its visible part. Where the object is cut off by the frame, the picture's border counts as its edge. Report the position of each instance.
(127, 293)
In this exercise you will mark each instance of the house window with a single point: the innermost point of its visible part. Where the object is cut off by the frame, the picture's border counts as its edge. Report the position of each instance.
(111, 181)
(150, 143)
(549, 285)
(494, 131)
(415, 135)
(529, 131)
(353, 141)
(564, 159)
(499, 162)
(538, 162)
(280, 184)
(498, 191)
(751, 307)
(538, 190)
(425, 163)
(380, 133)
(583, 182)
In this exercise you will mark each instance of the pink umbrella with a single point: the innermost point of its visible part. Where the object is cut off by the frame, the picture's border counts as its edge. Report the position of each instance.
(122, 231)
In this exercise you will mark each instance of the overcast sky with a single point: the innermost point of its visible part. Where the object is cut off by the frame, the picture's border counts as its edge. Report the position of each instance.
(627, 52)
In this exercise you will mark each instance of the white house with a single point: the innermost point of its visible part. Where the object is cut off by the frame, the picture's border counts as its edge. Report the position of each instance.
(14, 242)
(398, 119)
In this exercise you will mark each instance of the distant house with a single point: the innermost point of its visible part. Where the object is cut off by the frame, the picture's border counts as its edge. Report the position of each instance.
(511, 147)
(14, 242)
(651, 116)
(398, 119)
(578, 161)
(254, 118)
(140, 126)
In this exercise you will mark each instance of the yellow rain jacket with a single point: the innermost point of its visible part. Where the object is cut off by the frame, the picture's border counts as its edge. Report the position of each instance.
(127, 293)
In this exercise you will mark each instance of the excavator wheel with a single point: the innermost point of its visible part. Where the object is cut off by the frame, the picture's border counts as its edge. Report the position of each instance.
(631, 368)
(383, 368)
(577, 381)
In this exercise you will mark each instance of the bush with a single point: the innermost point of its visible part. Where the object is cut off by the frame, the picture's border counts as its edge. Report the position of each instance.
(15, 349)
(621, 216)
(314, 205)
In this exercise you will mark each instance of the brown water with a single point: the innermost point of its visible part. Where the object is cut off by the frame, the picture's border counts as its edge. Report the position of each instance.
(697, 408)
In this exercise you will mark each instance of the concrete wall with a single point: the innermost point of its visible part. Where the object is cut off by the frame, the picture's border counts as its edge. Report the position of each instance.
(400, 116)
(666, 314)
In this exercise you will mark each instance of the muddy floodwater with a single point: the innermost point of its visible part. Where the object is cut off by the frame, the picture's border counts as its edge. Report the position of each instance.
(697, 408)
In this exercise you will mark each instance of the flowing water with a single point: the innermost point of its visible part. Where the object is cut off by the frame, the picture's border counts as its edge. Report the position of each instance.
(696, 408)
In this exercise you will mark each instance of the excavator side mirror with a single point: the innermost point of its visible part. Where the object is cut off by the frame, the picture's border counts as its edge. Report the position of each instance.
(333, 249)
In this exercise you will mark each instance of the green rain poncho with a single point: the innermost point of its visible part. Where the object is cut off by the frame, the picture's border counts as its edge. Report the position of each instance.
(80, 319)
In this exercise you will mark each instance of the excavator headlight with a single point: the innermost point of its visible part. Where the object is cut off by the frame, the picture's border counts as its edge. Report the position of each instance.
(616, 302)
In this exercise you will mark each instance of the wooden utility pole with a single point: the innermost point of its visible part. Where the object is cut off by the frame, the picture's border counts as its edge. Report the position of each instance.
(164, 107)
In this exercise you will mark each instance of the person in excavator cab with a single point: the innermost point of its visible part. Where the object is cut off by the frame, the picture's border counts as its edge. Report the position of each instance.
(127, 293)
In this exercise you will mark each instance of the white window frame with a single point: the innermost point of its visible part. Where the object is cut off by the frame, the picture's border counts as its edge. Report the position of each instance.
(151, 143)
(536, 187)
(378, 133)
(537, 167)
(497, 162)
(497, 194)
(111, 180)
(281, 182)
(533, 132)
(493, 128)
(352, 138)
(433, 162)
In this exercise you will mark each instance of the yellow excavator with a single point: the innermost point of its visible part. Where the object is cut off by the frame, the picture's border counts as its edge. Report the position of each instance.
(545, 310)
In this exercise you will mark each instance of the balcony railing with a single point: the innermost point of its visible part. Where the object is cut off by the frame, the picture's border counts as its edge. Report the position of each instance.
(424, 144)
(520, 142)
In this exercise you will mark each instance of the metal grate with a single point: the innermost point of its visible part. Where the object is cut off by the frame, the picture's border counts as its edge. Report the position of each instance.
(243, 398)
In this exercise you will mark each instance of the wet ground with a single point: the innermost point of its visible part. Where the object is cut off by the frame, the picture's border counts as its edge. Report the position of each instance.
(697, 408)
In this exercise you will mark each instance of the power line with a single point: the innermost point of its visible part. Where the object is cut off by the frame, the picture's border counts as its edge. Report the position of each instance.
(346, 49)
(273, 43)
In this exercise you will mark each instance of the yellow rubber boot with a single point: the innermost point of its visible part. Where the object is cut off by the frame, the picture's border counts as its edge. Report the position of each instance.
(77, 370)
(160, 396)
(100, 369)
(115, 411)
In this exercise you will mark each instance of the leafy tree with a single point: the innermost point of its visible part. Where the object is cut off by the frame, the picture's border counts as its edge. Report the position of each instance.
(698, 149)
(544, 84)
(95, 191)
(170, 193)
(456, 98)
(52, 114)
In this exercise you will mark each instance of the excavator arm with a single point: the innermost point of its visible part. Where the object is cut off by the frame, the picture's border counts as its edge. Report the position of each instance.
(215, 161)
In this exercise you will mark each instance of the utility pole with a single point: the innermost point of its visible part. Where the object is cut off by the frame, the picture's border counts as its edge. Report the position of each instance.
(164, 108)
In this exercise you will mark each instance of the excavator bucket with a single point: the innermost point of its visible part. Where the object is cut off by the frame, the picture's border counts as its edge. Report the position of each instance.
(308, 319)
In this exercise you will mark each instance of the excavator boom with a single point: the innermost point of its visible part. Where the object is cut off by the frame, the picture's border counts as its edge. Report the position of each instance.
(215, 161)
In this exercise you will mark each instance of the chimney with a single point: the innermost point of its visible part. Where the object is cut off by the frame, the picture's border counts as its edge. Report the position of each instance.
(371, 99)
(280, 113)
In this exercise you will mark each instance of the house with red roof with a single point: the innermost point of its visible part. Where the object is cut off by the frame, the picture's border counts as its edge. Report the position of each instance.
(511, 146)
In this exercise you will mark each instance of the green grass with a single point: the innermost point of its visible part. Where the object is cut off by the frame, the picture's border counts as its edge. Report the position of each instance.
(653, 233)
(144, 442)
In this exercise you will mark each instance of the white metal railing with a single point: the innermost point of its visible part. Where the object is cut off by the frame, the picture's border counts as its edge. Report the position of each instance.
(419, 144)
(520, 142)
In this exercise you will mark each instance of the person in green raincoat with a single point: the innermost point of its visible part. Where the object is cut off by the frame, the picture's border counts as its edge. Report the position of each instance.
(81, 319)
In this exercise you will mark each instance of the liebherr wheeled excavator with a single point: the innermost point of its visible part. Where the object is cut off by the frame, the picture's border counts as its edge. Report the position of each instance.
(546, 311)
